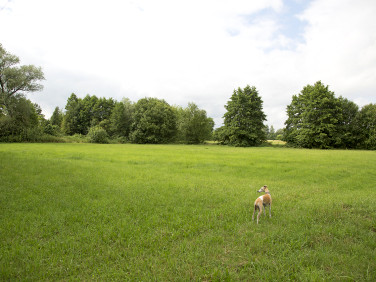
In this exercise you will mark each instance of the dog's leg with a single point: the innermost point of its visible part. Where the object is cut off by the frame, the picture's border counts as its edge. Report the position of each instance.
(255, 208)
(259, 207)
(259, 213)
(270, 210)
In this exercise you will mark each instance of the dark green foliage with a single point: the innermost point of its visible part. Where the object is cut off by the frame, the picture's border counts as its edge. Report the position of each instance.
(97, 135)
(121, 118)
(219, 134)
(347, 127)
(193, 125)
(72, 122)
(244, 119)
(101, 110)
(51, 129)
(81, 114)
(150, 120)
(154, 121)
(86, 113)
(313, 116)
(317, 119)
(366, 126)
(20, 116)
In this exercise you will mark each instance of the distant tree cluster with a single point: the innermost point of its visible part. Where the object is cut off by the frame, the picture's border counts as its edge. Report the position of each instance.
(272, 134)
(81, 114)
(150, 120)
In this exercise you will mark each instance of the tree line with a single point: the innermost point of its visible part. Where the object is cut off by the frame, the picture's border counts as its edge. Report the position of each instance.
(149, 120)
(316, 117)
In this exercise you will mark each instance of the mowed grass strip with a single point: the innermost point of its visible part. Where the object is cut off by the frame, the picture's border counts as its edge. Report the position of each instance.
(166, 212)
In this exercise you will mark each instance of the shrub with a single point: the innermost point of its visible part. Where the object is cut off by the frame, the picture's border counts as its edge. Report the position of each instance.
(97, 135)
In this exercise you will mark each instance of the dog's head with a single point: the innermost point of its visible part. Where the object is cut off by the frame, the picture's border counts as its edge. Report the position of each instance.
(262, 189)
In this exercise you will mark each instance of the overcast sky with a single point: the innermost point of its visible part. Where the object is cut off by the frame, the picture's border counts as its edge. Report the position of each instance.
(194, 50)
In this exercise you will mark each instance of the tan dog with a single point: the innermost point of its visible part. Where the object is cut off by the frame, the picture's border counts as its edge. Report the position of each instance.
(261, 202)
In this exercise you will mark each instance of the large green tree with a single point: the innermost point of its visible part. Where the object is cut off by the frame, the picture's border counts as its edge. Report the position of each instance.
(154, 121)
(244, 119)
(18, 114)
(193, 124)
(16, 80)
(317, 119)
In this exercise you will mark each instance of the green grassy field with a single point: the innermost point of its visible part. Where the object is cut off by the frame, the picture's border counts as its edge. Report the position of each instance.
(175, 212)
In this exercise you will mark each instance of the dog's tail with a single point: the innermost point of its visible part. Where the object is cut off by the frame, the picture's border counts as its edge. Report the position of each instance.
(257, 207)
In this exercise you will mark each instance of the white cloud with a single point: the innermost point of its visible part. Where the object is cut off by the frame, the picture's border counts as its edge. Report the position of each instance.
(197, 51)
(340, 46)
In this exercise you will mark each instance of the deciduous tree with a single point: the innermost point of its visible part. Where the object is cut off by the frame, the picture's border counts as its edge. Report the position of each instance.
(16, 80)
(244, 119)
(194, 126)
(313, 118)
(18, 114)
(154, 121)
(317, 119)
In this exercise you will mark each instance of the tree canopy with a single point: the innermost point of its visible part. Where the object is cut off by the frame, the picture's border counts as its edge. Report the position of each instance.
(193, 124)
(150, 120)
(18, 115)
(154, 121)
(317, 119)
(244, 119)
(15, 79)
(312, 117)
(81, 114)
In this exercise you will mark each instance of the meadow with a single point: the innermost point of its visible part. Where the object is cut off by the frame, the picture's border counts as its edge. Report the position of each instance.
(179, 212)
